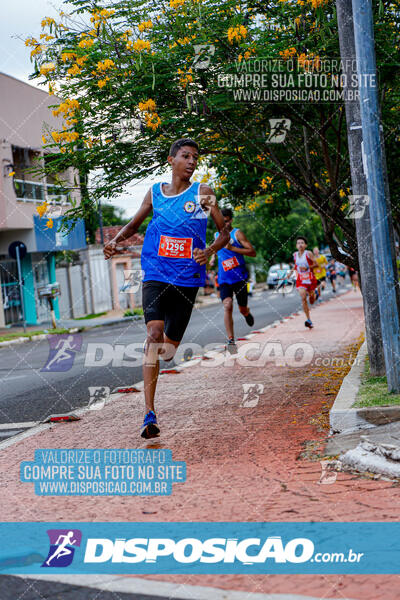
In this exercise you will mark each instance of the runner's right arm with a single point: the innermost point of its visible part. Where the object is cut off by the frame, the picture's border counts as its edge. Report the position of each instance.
(210, 201)
(131, 228)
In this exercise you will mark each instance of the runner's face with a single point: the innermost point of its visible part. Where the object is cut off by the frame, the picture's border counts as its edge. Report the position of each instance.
(316, 251)
(185, 162)
(300, 245)
(228, 222)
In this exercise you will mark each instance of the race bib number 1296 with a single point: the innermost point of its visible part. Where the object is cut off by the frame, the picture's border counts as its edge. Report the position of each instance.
(175, 247)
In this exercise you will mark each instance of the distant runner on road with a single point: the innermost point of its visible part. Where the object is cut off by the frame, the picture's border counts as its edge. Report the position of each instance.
(331, 269)
(174, 258)
(232, 276)
(320, 270)
(306, 282)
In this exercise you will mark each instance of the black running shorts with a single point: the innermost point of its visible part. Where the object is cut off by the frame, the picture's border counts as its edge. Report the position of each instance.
(170, 303)
(239, 288)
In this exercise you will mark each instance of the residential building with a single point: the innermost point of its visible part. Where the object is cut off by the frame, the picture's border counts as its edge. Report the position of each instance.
(24, 118)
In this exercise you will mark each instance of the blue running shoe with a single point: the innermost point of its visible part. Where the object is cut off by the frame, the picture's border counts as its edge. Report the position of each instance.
(150, 428)
(308, 324)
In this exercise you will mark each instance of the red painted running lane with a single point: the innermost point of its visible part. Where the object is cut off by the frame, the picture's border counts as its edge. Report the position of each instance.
(243, 463)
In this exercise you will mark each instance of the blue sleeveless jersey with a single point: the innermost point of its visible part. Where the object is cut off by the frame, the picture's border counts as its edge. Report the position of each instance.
(231, 265)
(178, 227)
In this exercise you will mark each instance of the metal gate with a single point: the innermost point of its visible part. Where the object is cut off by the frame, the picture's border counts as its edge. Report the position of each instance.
(41, 277)
(10, 292)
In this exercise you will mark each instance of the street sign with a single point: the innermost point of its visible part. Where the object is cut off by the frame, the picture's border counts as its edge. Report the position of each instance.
(12, 249)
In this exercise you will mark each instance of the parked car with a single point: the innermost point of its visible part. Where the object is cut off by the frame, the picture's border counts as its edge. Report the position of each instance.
(275, 273)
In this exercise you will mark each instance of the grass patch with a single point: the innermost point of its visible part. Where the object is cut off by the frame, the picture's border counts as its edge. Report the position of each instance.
(12, 336)
(132, 312)
(91, 316)
(373, 391)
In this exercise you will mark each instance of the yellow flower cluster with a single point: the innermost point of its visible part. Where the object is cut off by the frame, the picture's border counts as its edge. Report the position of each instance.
(42, 209)
(185, 77)
(86, 43)
(152, 119)
(68, 56)
(101, 16)
(67, 109)
(288, 53)
(185, 40)
(318, 3)
(47, 21)
(145, 25)
(252, 207)
(237, 33)
(265, 182)
(105, 65)
(46, 37)
(47, 68)
(309, 62)
(102, 82)
(37, 50)
(66, 136)
(74, 70)
(149, 105)
(125, 35)
(176, 3)
(31, 42)
(139, 45)
(247, 54)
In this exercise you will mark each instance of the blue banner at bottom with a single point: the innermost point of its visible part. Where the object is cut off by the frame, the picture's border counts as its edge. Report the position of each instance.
(194, 548)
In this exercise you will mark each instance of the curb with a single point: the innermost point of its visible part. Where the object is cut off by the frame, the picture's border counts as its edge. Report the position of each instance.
(343, 418)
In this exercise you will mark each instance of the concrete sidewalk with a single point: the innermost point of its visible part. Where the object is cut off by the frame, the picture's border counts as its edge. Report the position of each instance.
(244, 463)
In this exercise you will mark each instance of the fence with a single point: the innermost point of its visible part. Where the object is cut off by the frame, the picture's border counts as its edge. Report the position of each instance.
(85, 286)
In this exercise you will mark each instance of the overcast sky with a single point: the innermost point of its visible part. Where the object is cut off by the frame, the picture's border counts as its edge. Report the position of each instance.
(20, 19)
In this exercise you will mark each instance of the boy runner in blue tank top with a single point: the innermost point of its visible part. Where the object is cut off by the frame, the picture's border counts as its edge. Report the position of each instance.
(174, 258)
(232, 276)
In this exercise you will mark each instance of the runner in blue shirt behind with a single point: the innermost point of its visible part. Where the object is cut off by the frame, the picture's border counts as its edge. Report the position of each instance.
(174, 258)
(232, 276)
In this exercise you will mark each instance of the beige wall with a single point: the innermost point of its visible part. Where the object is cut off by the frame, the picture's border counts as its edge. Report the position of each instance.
(126, 261)
(24, 115)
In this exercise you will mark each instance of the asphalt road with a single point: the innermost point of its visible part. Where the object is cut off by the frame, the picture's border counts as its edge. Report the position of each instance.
(30, 392)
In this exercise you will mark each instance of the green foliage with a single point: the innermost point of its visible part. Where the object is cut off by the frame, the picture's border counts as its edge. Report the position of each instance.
(138, 88)
(112, 215)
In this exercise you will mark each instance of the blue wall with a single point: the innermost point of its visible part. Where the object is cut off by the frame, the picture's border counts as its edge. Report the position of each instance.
(28, 290)
(52, 240)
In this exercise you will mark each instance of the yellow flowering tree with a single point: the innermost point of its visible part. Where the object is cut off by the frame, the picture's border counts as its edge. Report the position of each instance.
(129, 77)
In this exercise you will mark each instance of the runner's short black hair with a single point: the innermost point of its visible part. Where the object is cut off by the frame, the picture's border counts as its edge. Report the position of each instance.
(301, 237)
(177, 145)
(227, 212)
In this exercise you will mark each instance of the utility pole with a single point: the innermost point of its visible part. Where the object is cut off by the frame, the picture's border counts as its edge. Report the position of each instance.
(359, 188)
(378, 205)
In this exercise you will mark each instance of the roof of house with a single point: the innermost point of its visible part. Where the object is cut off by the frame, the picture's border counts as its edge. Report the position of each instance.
(109, 232)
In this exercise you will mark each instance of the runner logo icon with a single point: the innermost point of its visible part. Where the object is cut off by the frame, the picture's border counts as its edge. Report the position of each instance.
(62, 547)
(62, 352)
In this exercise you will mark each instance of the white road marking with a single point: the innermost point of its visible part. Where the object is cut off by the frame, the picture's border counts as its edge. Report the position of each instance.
(19, 425)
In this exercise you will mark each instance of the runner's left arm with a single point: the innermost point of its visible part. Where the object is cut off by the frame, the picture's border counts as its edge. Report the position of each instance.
(247, 249)
(312, 257)
(209, 201)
